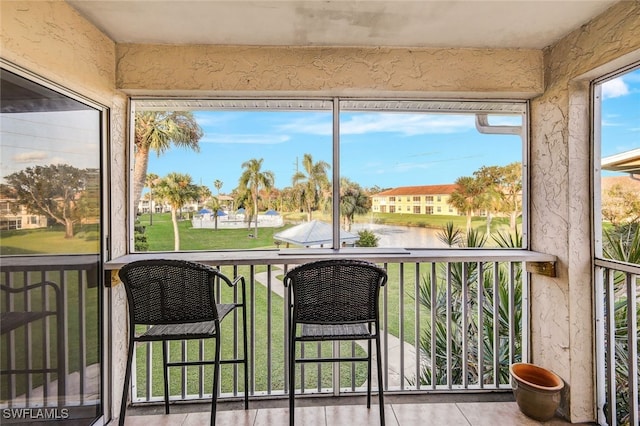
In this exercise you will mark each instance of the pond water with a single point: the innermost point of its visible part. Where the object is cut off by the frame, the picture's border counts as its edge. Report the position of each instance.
(402, 236)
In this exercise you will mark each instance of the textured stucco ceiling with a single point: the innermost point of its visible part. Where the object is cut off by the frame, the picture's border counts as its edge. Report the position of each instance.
(422, 23)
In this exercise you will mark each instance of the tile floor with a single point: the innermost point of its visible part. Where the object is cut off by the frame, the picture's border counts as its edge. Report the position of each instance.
(402, 414)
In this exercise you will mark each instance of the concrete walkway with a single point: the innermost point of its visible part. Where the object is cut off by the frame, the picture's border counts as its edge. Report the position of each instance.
(388, 341)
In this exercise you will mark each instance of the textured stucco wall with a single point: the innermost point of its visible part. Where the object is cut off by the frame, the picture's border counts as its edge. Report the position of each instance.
(219, 70)
(562, 308)
(52, 40)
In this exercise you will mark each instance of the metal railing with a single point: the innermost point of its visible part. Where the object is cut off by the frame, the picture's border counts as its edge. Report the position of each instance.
(617, 313)
(50, 307)
(449, 324)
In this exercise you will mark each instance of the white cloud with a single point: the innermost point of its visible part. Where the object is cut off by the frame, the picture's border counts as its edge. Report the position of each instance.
(30, 157)
(614, 88)
(406, 124)
(260, 139)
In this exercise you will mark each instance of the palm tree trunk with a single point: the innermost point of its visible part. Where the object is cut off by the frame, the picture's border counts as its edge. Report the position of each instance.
(468, 221)
(255, 211)
(176, 234)
(140, 163)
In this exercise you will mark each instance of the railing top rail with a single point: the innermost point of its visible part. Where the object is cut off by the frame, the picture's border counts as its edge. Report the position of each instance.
(378, 255)
(49, 262)
(618, 266)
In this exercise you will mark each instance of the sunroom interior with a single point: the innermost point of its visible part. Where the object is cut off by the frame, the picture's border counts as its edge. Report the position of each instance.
(540, 60)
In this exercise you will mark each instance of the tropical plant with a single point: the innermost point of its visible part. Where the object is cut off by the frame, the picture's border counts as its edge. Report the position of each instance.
(253, 179)
(466, 197)
(461, 299)
(622, 242)
(353, 201)
(218, 185)
(158, 131)
(311, 182)
(177, 190)
(367, 239)
(150, 181)
(52, 191)
(215, 206)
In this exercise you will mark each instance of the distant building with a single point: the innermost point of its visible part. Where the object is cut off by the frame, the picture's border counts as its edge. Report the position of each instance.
(425, 199)
(16, 216)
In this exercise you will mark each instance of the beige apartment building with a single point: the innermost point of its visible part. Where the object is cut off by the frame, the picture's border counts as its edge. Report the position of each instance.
(423, 199)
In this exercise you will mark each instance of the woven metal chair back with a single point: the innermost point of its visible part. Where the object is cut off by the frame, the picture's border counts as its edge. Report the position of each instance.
(335, 291)
(170, 291)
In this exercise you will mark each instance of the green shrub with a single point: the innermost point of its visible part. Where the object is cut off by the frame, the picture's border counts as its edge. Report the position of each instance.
(367, 239)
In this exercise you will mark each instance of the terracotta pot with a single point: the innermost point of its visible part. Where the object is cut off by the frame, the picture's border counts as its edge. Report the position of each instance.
(537, 390)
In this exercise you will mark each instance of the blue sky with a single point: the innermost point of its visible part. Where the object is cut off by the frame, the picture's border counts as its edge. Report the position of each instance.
(621, 114)
(383, 149)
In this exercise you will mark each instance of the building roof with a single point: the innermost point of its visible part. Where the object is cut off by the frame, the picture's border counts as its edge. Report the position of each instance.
(628, 162)
(313, 233)
(419, 190)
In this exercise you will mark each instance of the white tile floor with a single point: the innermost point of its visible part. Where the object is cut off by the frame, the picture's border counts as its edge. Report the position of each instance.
(437, 414)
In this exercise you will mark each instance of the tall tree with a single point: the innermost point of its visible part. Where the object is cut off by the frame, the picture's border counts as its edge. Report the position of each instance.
(353, 201)
(150, 181)
(215, 206)
(218, 185)
(311, 181)
(177, 189)
(254, 179)
(51, 190)
(510, 185)
(491, 198)
(466, 197)
(158, 131)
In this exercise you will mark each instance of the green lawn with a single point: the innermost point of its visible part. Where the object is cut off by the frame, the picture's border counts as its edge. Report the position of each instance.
(49, 241)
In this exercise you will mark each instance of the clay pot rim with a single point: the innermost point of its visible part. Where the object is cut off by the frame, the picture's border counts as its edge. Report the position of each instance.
(553, 375)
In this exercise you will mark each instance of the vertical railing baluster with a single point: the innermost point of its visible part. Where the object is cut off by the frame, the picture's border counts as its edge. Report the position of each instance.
(611, 344)
(512, 314)
(252, 328)
(465, 325)
(448, 326)
(269, 329)
(480, 343)
(401, 321)
(632, 345)
(496, 324)
(432, 319)
(82, 331)
(236, 353)
(385, 321)
(287, 332)
(26, 303)
(417, 328)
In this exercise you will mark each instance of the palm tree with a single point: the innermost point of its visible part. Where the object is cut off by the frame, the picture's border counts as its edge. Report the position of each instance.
(215, 206)
(466, 197)
(353, 201)
(177, 189)
(151, 180)
(157, 131)
(254, 179)
(311, 182)
(218, 184)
